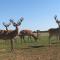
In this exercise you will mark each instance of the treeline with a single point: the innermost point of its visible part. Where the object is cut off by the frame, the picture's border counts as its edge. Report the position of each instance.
(39, 31)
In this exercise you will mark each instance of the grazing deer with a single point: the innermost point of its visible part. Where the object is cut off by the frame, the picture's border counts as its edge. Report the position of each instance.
(10, 34)
(28, 33)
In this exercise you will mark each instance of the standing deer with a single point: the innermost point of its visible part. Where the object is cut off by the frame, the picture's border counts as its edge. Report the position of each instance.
(28, 33)
(58, 22)
(53, 32)
(10, 34)
(6, 25)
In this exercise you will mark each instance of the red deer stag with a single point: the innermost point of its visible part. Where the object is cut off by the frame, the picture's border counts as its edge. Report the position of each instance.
(10, 34)
(6, 25)
(28, 33)
(53, 32)
(58, 22)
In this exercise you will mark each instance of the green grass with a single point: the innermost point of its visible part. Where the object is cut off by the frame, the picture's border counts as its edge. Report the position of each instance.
(43, 40)
(44, 52)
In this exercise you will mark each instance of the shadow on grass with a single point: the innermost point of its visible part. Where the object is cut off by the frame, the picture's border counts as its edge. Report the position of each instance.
(34, 46)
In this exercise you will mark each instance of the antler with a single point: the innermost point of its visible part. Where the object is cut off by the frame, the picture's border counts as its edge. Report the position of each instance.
(6, 24)
(19, 21)
(14, 24)
(55, 17)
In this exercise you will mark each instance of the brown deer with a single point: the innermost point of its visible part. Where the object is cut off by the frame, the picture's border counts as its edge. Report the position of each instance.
(28, 33)
(53, 32)
(10, 34)
(58, 22)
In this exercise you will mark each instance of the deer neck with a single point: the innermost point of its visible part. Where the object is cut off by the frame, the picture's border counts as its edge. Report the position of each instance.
(14, 32)
(6, 28)
(16, 29)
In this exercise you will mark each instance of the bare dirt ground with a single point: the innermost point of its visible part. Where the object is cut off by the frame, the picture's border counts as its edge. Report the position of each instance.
(41, 53)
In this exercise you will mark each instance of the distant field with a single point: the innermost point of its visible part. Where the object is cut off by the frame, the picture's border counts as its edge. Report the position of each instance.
(26, 51)
(43, 40)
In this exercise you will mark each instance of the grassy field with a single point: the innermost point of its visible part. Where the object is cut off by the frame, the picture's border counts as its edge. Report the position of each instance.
(27, 51)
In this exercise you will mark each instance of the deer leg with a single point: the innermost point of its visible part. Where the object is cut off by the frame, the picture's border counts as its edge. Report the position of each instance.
(49, 39)
(29, 38)
(24, 39)
(15, 41)
(35, 39)
(59, 36)
(21, 38)
(11, 44)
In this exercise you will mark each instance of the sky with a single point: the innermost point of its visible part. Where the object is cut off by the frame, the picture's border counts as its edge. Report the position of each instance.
(38, 14)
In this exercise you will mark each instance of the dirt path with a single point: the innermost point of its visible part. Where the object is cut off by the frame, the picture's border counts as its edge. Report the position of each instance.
(42, 53)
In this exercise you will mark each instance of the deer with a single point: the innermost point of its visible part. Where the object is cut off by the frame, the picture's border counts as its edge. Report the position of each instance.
(11, 34)
(6, 25)
(28, 33)
(58, 22)
(55, 31)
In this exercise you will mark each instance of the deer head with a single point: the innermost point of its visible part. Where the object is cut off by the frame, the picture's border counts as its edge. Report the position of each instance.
(18, 23)
(6, 25)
